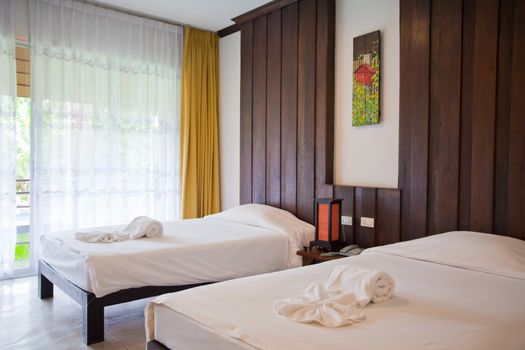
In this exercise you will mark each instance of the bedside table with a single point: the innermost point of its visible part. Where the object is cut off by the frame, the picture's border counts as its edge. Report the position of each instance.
(313, 256)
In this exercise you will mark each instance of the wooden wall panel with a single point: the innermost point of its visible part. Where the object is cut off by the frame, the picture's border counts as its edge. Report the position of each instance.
(474, 140)
(466, 114)
(259, 111)
(445, 85)
(414, 115)
(289, 108)
(388, 216)
(501, 158)
(483, 115)
(306, 110)
(324, 98)
(246, 113)
(346, 193)
(273, 109)
(365, 206)
(516, 184)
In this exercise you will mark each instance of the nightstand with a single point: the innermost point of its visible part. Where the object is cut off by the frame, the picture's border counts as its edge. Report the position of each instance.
(313, 256)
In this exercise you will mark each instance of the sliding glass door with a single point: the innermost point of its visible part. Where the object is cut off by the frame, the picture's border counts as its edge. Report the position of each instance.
(22, 263)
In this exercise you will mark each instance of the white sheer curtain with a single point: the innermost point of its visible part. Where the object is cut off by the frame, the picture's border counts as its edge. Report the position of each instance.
(7, 138)
(105, 116)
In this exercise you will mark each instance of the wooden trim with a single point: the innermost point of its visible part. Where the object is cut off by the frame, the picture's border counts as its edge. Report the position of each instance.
(93, 307)
(262, 10)
(228, 30)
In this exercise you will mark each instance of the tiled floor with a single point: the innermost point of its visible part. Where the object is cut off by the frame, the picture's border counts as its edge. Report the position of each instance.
(26, 322)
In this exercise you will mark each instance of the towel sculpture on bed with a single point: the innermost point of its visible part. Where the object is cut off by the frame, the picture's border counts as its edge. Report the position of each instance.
(340, 300)
(141, 226)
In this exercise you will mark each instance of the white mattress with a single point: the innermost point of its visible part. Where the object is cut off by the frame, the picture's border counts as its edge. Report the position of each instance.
(191, 251)
(436, 306)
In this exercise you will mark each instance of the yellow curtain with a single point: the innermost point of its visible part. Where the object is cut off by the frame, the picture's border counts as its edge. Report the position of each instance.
(199, 125)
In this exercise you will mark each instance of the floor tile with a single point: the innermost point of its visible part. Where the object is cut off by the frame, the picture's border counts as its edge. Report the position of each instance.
(26, 322)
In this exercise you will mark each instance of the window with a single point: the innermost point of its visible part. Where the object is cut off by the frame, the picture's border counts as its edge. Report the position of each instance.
(23, 156)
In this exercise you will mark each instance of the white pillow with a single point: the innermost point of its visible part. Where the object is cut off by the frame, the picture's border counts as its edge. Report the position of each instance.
(299, 232)
(499, 255)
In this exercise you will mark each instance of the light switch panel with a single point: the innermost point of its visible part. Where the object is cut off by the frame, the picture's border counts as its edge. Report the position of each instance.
(346, 220)
(367, 222)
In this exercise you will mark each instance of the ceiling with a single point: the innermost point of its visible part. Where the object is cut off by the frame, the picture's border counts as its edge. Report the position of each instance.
(205, 14)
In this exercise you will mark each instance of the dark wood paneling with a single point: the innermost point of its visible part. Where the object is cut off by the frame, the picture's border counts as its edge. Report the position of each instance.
(364, 206)
(483, 115)
(346, 193)
(324, 94)
(501, 158)
(445, 85)
(466, 114)
(516, 193)
(476, 76)
(273, 111)
(259, 111)
(246, 113)
(289, 108)
(263, 10)
(414, 115)
(306, 110)
(388, 216)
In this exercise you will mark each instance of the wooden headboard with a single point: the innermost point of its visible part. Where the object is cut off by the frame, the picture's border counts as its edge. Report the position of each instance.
(287, 119)
(462, 117)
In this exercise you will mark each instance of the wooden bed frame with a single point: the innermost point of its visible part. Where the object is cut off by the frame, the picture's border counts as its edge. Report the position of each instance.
(93, 307)
(155, 345)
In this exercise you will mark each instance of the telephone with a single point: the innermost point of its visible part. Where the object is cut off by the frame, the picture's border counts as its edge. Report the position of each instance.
(349, 250)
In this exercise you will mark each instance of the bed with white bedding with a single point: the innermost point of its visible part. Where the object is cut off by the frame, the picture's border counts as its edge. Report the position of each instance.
(246, 240)
(459, 290)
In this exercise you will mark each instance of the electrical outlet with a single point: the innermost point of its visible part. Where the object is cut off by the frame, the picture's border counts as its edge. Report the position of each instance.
(346, 220)
(367, 222)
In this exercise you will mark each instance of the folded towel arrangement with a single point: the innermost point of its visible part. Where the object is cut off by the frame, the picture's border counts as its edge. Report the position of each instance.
(368, 285)
(141, 226)
(340, 300)
(102, 237)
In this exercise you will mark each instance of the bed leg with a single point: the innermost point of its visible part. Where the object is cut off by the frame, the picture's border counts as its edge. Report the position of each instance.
(45, 287)
(92, 319)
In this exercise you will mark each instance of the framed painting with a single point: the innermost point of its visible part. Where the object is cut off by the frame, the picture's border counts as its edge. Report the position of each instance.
(366, 78)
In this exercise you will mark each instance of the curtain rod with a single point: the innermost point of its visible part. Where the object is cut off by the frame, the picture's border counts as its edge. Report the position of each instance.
(134, 13)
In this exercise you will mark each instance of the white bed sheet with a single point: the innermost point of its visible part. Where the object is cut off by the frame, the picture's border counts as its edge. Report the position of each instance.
(435, 307)
(191, 251)
(176, 331)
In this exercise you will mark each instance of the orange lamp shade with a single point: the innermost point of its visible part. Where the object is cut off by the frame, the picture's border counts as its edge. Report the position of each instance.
(323, 217)
(328, 223)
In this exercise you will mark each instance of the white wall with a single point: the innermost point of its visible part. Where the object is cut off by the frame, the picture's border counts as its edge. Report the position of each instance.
(229, 116)
(367, 156)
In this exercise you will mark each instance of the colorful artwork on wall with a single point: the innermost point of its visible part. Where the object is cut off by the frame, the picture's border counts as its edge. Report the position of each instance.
(366, 68)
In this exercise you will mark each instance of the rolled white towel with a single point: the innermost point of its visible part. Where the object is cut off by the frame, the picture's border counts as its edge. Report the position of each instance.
(368, 285)
(143, 226)
(340, 300)
(102, 237)
(319, 306)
